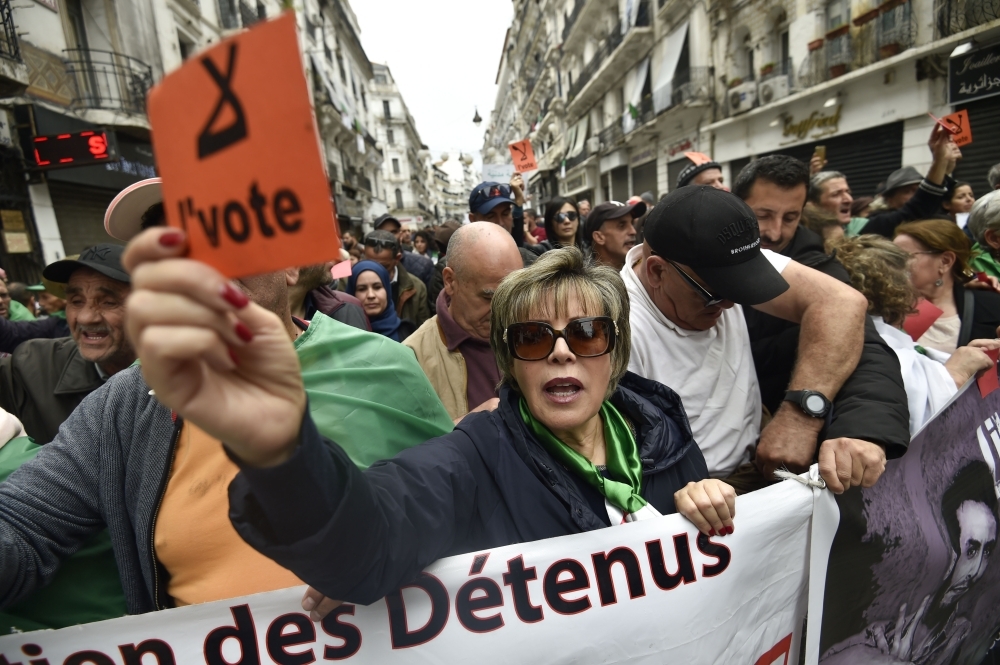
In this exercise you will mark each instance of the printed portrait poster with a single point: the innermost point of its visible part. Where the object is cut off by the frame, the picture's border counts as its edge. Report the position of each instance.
(912, 575)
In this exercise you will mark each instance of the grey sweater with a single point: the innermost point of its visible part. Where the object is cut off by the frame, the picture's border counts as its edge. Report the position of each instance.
(107, 467)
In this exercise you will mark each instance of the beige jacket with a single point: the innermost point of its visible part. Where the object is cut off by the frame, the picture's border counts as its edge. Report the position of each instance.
(445, 369)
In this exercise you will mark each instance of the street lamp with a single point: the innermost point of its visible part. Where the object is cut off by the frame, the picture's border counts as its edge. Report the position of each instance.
(476, 119)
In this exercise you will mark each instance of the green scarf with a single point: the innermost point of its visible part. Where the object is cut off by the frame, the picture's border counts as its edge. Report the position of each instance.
(621, 453)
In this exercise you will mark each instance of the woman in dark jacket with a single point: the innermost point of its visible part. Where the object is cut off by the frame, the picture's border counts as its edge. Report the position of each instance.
(574, 445)
(563, 225)
(939, 270)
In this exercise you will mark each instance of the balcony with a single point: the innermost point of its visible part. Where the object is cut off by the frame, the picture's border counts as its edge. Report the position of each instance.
(641, 115)
(838, 54)
(229, 14)
(571, 18)
(954, 16)
(13, 71)
(581, 158)
(616, 55)
(612, 135)
(109, 81)
(690, 85)
(250, 15)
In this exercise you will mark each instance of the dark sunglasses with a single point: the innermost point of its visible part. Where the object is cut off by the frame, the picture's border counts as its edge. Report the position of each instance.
(563, 216)
(588, 337)
(379, 244)
(706, 295)
(484, 195)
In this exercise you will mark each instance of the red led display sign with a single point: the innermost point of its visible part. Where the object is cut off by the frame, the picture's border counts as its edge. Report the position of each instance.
(77, 149)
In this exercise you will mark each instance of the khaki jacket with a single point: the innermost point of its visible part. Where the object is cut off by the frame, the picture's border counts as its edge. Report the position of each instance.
(445, 369)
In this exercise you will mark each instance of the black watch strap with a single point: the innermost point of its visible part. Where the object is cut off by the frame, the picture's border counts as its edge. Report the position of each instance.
(812, 403)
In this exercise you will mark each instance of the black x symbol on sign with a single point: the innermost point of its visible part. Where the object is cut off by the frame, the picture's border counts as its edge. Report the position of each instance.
(209, 141)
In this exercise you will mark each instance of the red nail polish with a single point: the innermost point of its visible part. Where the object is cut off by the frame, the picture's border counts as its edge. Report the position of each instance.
(171, 239)
(236, 359)
(732, 530)
(243, 332)
(712, 532)
(235, 297)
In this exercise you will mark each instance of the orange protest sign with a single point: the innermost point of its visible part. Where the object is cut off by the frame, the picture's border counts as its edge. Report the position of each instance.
(959, 124)
(524, 156)
(237, 147)
(698, 158)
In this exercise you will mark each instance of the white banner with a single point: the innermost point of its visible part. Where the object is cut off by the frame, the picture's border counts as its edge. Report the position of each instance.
(647, 592)
(497, 172)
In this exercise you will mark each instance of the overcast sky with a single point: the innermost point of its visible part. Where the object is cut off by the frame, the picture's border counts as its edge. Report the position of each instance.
(444, 56)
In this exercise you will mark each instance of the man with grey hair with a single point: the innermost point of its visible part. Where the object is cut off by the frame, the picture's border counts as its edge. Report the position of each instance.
(829, 190)
(453, 347)
(984, 225)
(993, 177)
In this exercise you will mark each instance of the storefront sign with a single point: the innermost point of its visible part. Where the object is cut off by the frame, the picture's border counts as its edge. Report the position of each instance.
(640, 157)
(816, 126)
(575, 183)
(974, 75)
(680, 146)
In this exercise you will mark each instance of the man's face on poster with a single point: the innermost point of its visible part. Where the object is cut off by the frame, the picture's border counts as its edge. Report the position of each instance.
(978, 531)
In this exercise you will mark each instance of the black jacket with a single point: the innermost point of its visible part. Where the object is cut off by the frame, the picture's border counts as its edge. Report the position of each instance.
(357, 535)
(871, 405)
(985, 314)
(925, 204)
(419, 266)
(43, 381)
(13, 333)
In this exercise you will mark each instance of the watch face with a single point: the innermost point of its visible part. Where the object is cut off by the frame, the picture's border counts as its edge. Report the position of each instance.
(815, 403)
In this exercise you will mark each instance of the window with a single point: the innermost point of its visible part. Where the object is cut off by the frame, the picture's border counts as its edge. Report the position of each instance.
(750, 69)
(838, 14)
(386, 109)
(261, 10)
(391, 137)
(395, 165)
(399, 198)
(380, 79)
(785, 52)
(364, 100)
(340, 66)
(186, 46)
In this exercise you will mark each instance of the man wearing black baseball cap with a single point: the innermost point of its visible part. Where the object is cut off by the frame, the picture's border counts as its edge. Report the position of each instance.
(45, 379)
(420, 267)
(610, 230)
(700, 261)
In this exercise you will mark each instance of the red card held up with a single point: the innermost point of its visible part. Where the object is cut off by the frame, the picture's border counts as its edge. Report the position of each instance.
(918, 323)
(989, 381)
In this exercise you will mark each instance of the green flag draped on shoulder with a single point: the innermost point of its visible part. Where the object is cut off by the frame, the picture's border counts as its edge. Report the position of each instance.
(366, 392)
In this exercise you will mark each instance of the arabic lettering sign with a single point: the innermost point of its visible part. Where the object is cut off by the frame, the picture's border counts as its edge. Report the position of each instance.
(974, 75)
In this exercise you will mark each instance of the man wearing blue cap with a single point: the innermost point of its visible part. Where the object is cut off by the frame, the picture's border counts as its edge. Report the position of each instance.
(494, 202)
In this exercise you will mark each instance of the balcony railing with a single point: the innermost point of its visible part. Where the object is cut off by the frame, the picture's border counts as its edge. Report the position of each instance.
(838, 54)
(9, 48)
(572, 16)
(612, 135)
(229, 14)
(691, 84)
(109, 80)
(249, 15)
(953, 16)
(613, 40)
(579, 159)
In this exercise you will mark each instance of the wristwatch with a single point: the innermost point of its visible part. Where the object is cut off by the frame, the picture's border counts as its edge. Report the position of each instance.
(811, 402)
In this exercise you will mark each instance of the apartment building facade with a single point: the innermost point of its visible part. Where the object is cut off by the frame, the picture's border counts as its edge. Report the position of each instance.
(82, 69)
(614, 92)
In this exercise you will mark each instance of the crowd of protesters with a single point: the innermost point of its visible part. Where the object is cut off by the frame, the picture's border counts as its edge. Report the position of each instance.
(567, 368)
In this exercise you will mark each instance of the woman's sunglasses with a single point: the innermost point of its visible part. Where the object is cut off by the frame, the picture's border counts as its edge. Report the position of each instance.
(587, 338)
(563, 216)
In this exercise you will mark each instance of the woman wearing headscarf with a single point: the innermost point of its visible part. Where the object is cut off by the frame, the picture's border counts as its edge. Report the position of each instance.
(369, 282)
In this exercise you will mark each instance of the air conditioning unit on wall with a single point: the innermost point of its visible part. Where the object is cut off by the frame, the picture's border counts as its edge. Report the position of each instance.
(773, 89)
(742, 98)
(594, 144)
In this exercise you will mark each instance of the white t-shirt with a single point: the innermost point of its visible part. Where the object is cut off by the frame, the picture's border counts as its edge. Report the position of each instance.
(712, 371)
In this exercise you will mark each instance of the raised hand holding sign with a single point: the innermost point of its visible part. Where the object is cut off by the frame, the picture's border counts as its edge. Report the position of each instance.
(237, 147)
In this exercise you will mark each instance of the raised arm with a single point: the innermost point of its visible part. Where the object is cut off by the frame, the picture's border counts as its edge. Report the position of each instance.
(13, 333)
(831, 316)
